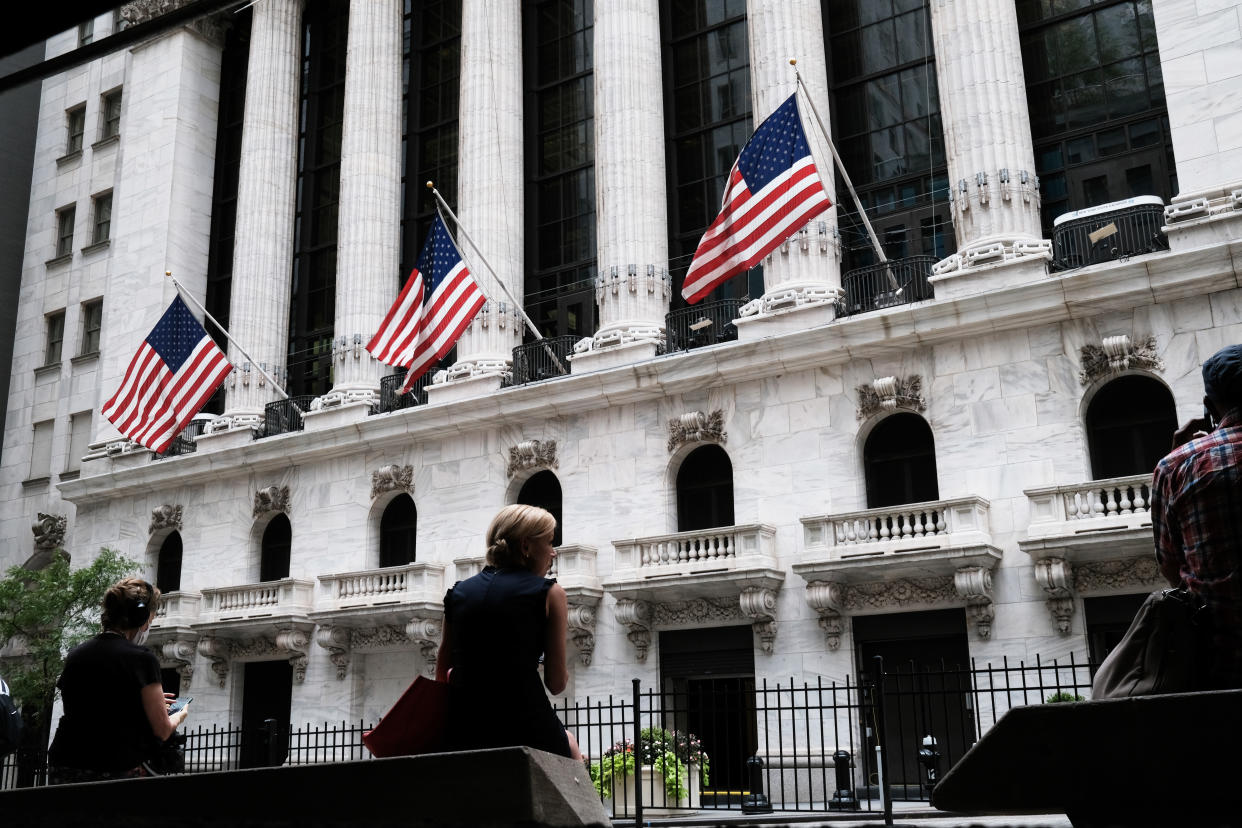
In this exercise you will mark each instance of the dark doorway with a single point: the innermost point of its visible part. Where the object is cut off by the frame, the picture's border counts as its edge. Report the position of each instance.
(899, 460)
(705, 490)
(708, 676)
(398, 532)
(1108, 617)
(168, 565)
(267, 694)
(544, 490)
(277, 538)
(926, 691)
(1130, 425)
(171, 680)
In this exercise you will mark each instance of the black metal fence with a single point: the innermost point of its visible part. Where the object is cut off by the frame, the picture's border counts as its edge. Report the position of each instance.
(542, 359)
(181, 444)
(391, 398)
(283, 416)
(707, 323)
(1103, 237)
(886, 284)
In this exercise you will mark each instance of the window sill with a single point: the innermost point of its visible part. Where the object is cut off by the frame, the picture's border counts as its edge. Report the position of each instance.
(50, 368)
(73, 474)
(91, 356)
(65, 258)
(35, 482)
(95, 247)
(103, 142)
(69, 158)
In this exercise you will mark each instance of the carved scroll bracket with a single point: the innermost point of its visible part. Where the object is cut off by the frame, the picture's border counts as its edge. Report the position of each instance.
(759, 605)
(974, 583)
(218, 651)
(49, 531)
(582, 626)
(180, 651)
(827, 598)
(425, 634)
(336, 640)
(1055, 578)
(635, 616)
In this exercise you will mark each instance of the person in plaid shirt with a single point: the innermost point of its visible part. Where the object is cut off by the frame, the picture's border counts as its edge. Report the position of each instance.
(1196, 508)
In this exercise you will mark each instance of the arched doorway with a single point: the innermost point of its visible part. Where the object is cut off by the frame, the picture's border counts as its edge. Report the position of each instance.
(544, 490)
(1130, 425)
(168, 564)
(705, 490)
(274, 558)
(398, 532)
(899, 461)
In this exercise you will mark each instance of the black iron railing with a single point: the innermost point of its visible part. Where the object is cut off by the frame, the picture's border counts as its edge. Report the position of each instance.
(181, 444)
(877, 286)
(391, 398)
(1106, 236)
(704, 324)
(282, 417)
(542, 359)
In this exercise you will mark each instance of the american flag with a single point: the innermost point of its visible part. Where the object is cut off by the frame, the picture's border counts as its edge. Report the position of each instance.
(773, 191)
(176, 370)
(417, 334)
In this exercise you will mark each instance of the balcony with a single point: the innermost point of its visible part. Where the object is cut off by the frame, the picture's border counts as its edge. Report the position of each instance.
(283, 416)
(1095, 520)
(177, 611)
(391, 398)
(1108, 232)
(381, 595)
(543, 359)
(707, 323)
(256, 608)
(884, 285)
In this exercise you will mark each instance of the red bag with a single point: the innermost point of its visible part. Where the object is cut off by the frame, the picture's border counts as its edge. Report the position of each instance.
(415, 724)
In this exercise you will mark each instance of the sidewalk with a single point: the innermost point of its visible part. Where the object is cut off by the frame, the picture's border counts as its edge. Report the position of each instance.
(902, 818)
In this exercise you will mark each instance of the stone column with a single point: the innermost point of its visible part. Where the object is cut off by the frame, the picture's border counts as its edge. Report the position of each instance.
(987, 136)
(802, 277)
(489, 192)
(632, 289)
(368, 256)
(266, 201)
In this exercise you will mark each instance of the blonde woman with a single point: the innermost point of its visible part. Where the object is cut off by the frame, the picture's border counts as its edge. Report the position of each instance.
(498, 625)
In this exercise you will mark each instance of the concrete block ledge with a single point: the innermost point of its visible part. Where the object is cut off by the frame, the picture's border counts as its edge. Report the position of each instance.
(504, 787)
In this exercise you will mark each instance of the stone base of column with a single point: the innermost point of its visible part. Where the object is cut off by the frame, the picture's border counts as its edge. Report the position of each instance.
(226, 439)
(467, 388)
(614, 356)
(1203, 219)
(346, 396)
(319, 419)
(783, 320)
(989, 266)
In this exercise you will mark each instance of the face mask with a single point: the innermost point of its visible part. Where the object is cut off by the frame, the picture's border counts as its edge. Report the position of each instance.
(141, 637)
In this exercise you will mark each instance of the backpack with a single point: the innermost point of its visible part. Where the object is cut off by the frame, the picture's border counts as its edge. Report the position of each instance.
(1166, 649)
(10, 721)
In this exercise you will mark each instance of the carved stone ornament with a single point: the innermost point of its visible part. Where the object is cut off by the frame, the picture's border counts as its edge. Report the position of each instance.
(827, 598)
(696, 612)
(904, 592)
(49, 531)
(635, 616)
(180, 652)
(392, 478)
(271, 499)
(217, 651)
(425, 634)
(372, 638)
(1133, 574)
(1116, 354)
(759, 605)
(1055, 577)
(974, 583)
(532, 454)
(696, 427)
(336, 641)
(889, 394)
(141, 11)
(582, 627)
(163, 517)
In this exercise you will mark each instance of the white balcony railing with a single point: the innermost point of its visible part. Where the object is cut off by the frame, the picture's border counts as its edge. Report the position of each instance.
(722, 548)
(416, 583)
(937, 524)
(288, 596)
(176, 609)
(1093, 506)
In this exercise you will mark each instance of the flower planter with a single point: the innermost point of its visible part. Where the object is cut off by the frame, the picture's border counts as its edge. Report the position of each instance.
(622, 800)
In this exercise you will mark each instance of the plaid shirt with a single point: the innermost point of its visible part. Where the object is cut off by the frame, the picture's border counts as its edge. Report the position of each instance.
(1196, 509)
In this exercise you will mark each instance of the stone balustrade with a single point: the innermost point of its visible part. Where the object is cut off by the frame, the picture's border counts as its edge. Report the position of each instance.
(177, 608)
(721, 548)
(288, 595)
(934, 524)
(416, 583)
(1113, 503)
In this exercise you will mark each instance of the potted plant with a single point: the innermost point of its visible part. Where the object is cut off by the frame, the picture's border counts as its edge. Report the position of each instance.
(662, 759)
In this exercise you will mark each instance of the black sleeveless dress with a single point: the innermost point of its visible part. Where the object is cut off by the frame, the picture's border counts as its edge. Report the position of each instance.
(498, 623)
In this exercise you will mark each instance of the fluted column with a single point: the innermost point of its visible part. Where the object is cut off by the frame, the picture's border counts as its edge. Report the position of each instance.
(805, 270)
(489, 179)
(632, 288)
(370, 206)
(266, 192)
(987, 133)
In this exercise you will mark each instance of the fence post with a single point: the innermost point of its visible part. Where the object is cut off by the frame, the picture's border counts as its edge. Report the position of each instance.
(638, 761)
(880, 748)
(269, 736)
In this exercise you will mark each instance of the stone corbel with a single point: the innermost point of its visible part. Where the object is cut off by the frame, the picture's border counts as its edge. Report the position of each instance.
(582, 627)
(759, 605)
(696, 427)
(425, 633)
(532, 454)
(336, 641)
(1118, 353)
(294, 644)
(167, 516)
(827, 599)
(974, 583)
(889, 394)
(271, 499)
(635, 616)
(218, 651)
(180, 651)
(1055, 577)
(392, 478)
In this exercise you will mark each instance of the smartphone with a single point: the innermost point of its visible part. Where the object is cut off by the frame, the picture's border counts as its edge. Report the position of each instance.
(1207, 418)
(179, 703)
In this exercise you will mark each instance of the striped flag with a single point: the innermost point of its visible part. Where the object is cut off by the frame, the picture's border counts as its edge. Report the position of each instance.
(773, 191)
(168, 381)
(426, 320)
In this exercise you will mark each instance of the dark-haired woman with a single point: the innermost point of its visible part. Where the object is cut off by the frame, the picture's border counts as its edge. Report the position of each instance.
(497, 627)
(115, 710)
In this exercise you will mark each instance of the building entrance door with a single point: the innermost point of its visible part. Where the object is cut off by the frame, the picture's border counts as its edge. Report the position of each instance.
(267, 694)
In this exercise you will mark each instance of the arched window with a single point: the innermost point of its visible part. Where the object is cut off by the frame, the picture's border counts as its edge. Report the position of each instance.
(1130, 425)
(168, 565)
(705, 490)
(899, 460)
(544, 490)
(398, 527)
(277, 538)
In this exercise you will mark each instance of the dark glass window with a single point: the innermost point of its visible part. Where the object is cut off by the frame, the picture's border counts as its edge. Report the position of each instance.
(168, 565)
(544, 490)
(705, 490)
(92, 322)
(899, 460)
(75, 127)
(1096, 99)
(233, 69)
(707, 117)
(1130, 425)
(398, 532)
(887, 126)
(313, 303)
(560, 167)
(277, 541)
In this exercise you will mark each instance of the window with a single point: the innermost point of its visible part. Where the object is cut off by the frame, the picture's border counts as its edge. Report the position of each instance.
(544, 490)
(168, 565)
(64, 230)
(119, 23)
(899, 460)
(86, 32)
(92, 321)
(1130, 425)
(274, 558)
(79, 440)
(103, 218)
(705, 490)
(41, 454)
(75, 126)
(111, 115)
(398, 532)
(55, 337)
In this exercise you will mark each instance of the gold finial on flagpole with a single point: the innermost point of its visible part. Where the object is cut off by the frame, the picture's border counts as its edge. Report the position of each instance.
(431, 185)
(793, 61)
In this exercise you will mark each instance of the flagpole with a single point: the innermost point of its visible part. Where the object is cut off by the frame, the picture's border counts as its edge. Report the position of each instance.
(823, 131)
(185, 294)
(462, 230)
